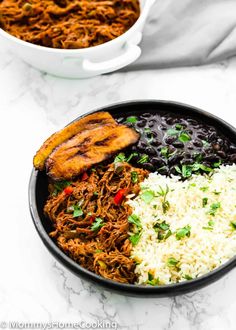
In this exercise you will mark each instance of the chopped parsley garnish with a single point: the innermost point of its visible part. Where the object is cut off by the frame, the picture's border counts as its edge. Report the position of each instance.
(59, 186)
(134, 177)
(179, 127)
(76, 209)
(149, 134)
(120, 158)
(134, 239)
(147, 196)
(183, 232)
(198, 157)
(216, 192)
(77, 212)
(213, 208)
(184, 137)
(163, 230)
(172, 131)
(210, 225)
(172, 262)
(187, 170)
(163, 225)
(134, 219)
(187, 277)
(131, 120)
(165, 204)
(97, 224)
(166, 152)
(147, 130)
(134, 154)
(151, 280)
(144, 159)
(204, 189)
(233, 224)
(204, 201)
(217, 164)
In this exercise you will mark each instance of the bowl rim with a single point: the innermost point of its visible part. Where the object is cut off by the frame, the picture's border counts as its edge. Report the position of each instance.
(122, 288)
(122, 38)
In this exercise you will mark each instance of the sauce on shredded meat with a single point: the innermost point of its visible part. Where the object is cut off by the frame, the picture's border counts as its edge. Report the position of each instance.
(90, 227)
(68, 24)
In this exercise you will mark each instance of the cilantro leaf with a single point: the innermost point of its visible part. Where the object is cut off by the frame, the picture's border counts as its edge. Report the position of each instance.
(134, 177)
(134, 219)
(172, 262)
(147, 196)
(97, 224)
(184, 137)
(131, 120)
(134, 239)
(77, 212)
(183, 232)
(213, 208)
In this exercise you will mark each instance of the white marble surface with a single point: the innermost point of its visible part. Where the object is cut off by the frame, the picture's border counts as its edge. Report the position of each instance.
(33, 286)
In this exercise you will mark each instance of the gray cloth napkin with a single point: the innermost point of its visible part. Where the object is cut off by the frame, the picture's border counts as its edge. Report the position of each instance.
(188, 32)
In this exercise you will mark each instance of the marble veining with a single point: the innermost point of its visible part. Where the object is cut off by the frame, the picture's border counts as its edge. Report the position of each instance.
(33, 286)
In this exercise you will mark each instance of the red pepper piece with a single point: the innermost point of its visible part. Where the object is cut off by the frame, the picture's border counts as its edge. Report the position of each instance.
(91, 219)
(120, 196)
(84, 176)
(68, 190)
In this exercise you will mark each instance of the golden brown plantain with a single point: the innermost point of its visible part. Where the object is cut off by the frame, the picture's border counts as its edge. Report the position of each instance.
(89, 122)
(87, 149)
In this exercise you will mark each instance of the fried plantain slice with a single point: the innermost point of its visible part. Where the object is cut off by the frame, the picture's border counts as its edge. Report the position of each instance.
(89, 122)
(87, 149)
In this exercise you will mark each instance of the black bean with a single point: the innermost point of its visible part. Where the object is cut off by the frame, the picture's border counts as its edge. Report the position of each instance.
(233, 158)
(178, 144)
(212, 158)
(162, 128)
(154, 134)
(158, 162)
(151, 123)
(146, 115)
(170, 120)
(134, 148)
(149, 167)
(163, 170)
(141, 123)
(193, 122)
(197, 143)
(212, 136)
(201, 136)
(142, 145)
(170, 139)
(155, 142)
(173, 170)
(232, 149)
(150, 151)
(221, 153)
(175, 159)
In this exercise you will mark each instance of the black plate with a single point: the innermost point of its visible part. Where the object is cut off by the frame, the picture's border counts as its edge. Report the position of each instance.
(38, 193)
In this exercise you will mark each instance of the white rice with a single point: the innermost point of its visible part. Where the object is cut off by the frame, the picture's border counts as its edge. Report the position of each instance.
(205, 249)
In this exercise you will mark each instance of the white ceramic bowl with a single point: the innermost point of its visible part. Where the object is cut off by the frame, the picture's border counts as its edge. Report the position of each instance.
(86, 62)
